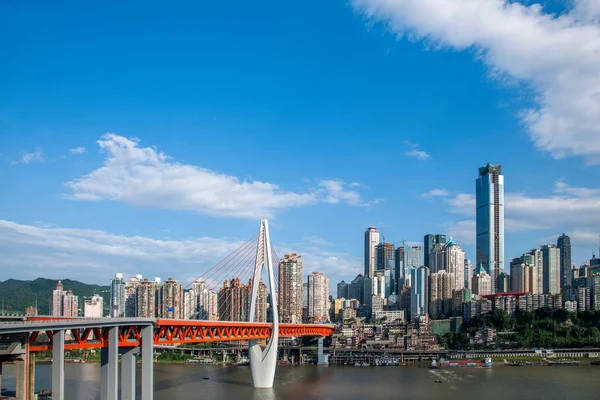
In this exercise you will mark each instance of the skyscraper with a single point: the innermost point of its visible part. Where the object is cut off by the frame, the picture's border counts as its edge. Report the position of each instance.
(343, 291)
(57, 300)
(385, 255)
(412, 260)
(468, 273)
(429, 241)
(449, 257)
(551, 265)
(234, 301)
(318, 297)
(290, 289)
(482, 282)
(490, 221)
(70, 305)
(371, 241)
(564, 245)
(117, 297)
(419, 292)
(171, 295)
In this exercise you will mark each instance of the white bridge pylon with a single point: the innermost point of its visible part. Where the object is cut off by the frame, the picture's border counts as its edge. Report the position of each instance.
(263, 362)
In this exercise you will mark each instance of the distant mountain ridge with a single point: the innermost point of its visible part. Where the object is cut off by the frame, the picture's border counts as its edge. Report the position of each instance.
(17, 295)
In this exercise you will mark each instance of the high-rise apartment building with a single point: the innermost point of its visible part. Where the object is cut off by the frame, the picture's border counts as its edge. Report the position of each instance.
(449, 257)
(233, 301)
(262, 305)
(429, 242)
(535, 258)
(503, 283)
(131, 305)
(564, 245)
(440, 300)
(57, 300)
(117, 297)
(385, 255)
(146, 298)
(371, 242)
(411, 260)
(419, 292)
(490, 221)
(551, 265)
(171, 300)
(379, 284)
(523, 277)
(482, 282)
(70, 305)
(318, 297)
(93, 307)
(290, 289)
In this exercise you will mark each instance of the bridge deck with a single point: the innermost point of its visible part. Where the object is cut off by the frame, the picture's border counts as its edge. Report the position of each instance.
(85, 333)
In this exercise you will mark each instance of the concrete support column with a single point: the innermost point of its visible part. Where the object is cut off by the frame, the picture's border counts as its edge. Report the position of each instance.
(31, 378)
(320, 355)
(109, 366)
(22, 372)
(128, 366)
(148, 363)
(58, 365)
(0, 376)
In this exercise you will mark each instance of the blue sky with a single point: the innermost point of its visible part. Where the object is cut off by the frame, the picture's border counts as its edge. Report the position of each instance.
(151, 138)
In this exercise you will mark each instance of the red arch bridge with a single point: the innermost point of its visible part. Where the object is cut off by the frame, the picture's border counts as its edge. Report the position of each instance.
(128, 337)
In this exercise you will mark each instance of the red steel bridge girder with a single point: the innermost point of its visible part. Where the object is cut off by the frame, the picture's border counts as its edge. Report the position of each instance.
(176, 332)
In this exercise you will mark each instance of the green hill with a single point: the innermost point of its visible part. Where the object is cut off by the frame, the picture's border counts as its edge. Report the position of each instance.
(17, 295)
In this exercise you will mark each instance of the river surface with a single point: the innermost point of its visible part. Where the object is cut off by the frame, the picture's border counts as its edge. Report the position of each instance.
(184, 382)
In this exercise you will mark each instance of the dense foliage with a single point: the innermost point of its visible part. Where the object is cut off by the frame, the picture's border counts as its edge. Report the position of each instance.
(545, 328)
(17, 295)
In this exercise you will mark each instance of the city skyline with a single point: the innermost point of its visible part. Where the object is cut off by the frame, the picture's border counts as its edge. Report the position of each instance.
(348, 139)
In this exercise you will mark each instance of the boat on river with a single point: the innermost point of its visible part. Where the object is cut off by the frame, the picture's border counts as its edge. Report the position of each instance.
(486, 363)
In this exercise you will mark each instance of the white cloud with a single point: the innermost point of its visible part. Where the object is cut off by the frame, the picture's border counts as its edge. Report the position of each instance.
(436, 193)
(94, 256)
(557, 56)
(462, 232)
(35, 156)
(78, 150)
(317, 240)
(148, 178)
(415, 151)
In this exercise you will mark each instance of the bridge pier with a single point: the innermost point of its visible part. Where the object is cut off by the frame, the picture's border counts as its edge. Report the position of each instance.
(148, 363)
(109, 366)
(58, 365)
(128, 373)
(321, 358)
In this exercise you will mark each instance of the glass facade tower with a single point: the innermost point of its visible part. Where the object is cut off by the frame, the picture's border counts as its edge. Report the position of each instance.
(489, 196)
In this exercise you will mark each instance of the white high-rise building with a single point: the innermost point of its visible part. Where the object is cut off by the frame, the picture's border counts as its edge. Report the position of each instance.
(289, 295)
(117, 297)
(490, 221)
(449, 257)
(371, 242)
(57, 300)
(70, 305)
(318, 297)
(93, 307)
(551, 273)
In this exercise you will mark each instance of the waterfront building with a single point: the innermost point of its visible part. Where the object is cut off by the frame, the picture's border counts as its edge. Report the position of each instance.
(262, 305)
(70, 305)
(429, 242)
(371, 241)
(171, 300)
(385, 255)
(489, 196)
(535, 258)
(564, 245)
(551, 266)
(147, 297)
(343, 290)
(318, 297)
(290, 289)
(482, 282)
(131, 306)
(234, 301)
(419, 292)
(449, 257)
(93, 307)
(440, 301)
(57, 300)
(304, 301)
(117, 297)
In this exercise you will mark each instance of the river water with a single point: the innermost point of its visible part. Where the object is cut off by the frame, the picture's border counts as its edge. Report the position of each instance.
(185, 382)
